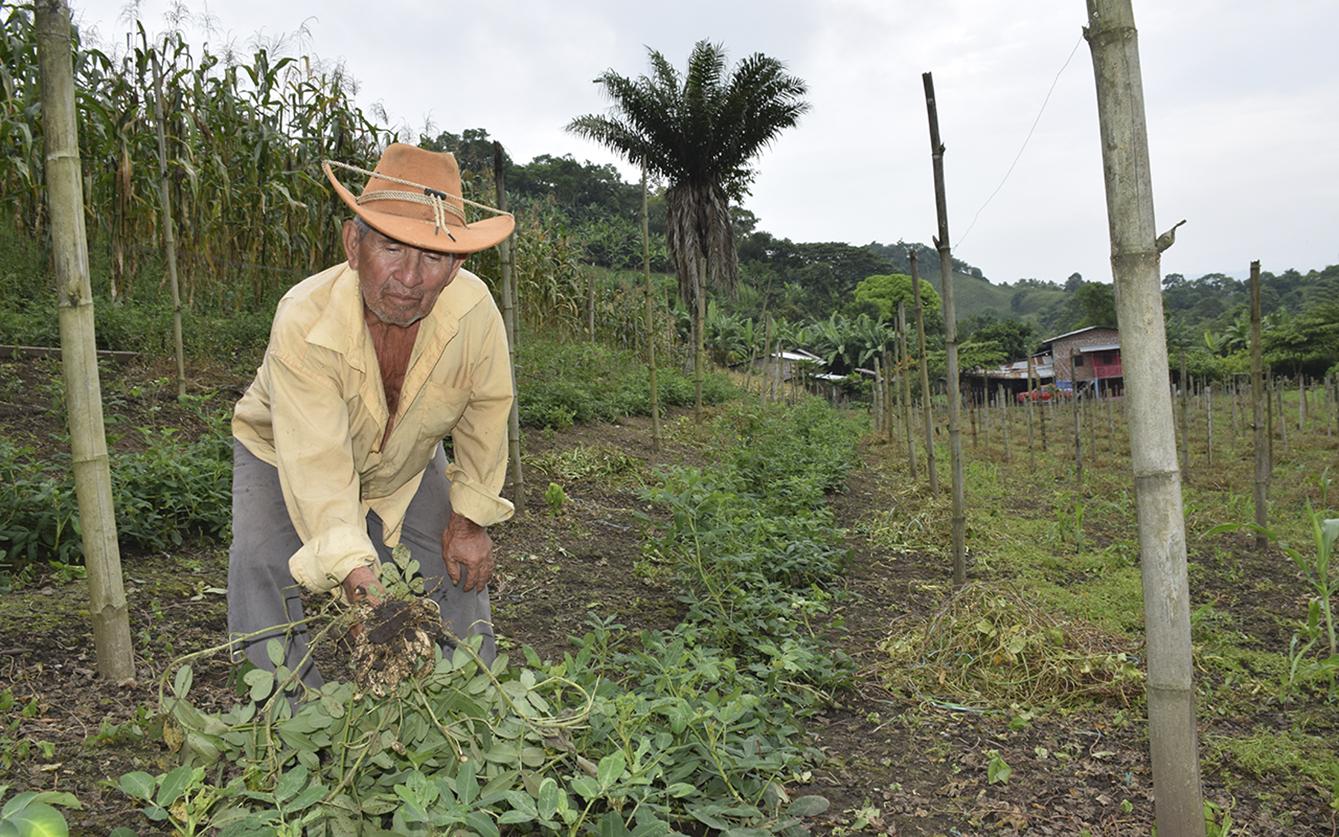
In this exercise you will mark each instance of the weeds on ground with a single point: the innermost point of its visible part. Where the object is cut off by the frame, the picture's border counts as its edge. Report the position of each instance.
(990, 645)
(587, 462)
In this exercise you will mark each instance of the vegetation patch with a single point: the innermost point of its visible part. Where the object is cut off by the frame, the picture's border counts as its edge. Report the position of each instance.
(1269, 754)
(993, 645)
(650, 734)
(587, 462)
(561, 383)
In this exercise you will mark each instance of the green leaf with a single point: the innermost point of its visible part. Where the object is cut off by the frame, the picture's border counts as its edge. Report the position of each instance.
(274, 649)
(807, 806)
(138, 785)
(289, 783)
(261, 683)
(610, 769)
(998, 770)
(65, 800)
(38, 819)
(679, 790)
(122, 831)
(548, 798)
(181, 684)
(173, 785)
(586, 788)
(467, 782)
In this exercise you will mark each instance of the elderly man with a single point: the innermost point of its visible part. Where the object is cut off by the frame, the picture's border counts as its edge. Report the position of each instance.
(337, 453)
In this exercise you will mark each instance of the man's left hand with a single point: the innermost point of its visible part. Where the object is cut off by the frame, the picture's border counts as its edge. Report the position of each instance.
(467, 549)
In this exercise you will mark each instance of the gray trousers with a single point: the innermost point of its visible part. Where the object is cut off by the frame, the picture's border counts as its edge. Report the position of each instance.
(262, 593)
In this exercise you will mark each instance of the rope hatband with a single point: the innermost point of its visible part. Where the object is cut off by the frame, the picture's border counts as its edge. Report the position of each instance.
(430, 197)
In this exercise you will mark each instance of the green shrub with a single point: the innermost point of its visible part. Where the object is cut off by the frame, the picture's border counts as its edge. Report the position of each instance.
(563, 383)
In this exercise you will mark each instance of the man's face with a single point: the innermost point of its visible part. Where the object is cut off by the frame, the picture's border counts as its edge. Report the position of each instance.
(399, 282)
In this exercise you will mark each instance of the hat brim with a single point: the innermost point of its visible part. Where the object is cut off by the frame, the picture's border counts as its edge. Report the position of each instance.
(468, 238)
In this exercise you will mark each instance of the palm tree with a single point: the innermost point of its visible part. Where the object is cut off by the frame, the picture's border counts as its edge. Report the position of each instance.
(699, 131)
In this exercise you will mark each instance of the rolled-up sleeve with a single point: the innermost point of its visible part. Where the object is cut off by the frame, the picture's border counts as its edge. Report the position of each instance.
(320, 485)
(479, 440)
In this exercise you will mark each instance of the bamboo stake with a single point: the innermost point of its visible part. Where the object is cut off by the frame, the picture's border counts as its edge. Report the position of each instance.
(1031, 410)
(1185, 420)
(889, 396)
(1208, 425)
(169, 234)
(959, 518)
(83, 390)
(877, 406)
(1283, 417)
(509, 324)
(1135, 257)
(904, 379)
(927, 398)
(1078, 431)
(1002, 401)
(1301, 403)
(651, 320)
(1257, 413)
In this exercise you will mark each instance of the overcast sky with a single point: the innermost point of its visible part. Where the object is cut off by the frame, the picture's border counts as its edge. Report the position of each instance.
(1242, 100)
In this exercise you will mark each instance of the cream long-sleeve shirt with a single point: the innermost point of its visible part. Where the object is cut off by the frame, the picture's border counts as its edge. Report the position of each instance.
(317, 412)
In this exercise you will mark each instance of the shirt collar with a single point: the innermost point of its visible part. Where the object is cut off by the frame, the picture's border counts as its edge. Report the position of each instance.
(341, 327)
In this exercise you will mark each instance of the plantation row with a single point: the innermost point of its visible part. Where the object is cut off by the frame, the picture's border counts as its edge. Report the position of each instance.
(629, 734)
(168, 489)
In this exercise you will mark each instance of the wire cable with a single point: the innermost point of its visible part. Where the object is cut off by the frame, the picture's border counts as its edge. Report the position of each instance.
(1026, 140)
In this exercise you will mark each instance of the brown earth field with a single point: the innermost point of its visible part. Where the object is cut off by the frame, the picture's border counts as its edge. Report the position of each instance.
(910, 748)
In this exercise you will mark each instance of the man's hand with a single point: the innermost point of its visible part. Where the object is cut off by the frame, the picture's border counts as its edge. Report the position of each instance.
(363, 583)
(466, 548)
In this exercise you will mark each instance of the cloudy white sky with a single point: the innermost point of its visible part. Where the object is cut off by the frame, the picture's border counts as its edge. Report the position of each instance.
(1242, 99)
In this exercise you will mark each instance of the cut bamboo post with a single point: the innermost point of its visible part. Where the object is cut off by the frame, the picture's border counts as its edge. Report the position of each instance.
(1004, 406)
(1136, 263)
(903, 369)
(1279, 389)
(169, 227)
(941, 241)
(1184, 391)
(1078, 430)
(1258, 415)
(927, 398)
(505, 253)
(651, 320)
(877, 405)
(1208, 426)
(83, 389)
(1301, 403)
(1031, 411)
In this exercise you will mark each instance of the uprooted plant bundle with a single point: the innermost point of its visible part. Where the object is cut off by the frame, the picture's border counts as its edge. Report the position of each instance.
(663, 732)
(991, 644)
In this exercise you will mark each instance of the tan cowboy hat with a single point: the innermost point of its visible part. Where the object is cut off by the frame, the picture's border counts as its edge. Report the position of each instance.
(414, 197)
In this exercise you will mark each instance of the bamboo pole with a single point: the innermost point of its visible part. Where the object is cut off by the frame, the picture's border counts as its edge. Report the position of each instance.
(509, 325)
(1135, 257)
(83, 389)
(1031, 410)
(959, 517)
(169, 233)
(1002, 403)
(902, 376)
(1208, 425)
(1184, 392)
(877, 406)
(1283, 416)
(889, 396)
(1301, 403)
(1078, 429)
(651, 320)
(1257, 413)
(927, 398)
(699, 338)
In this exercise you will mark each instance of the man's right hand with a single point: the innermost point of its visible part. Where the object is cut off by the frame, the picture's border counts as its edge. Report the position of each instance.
(363, 583)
